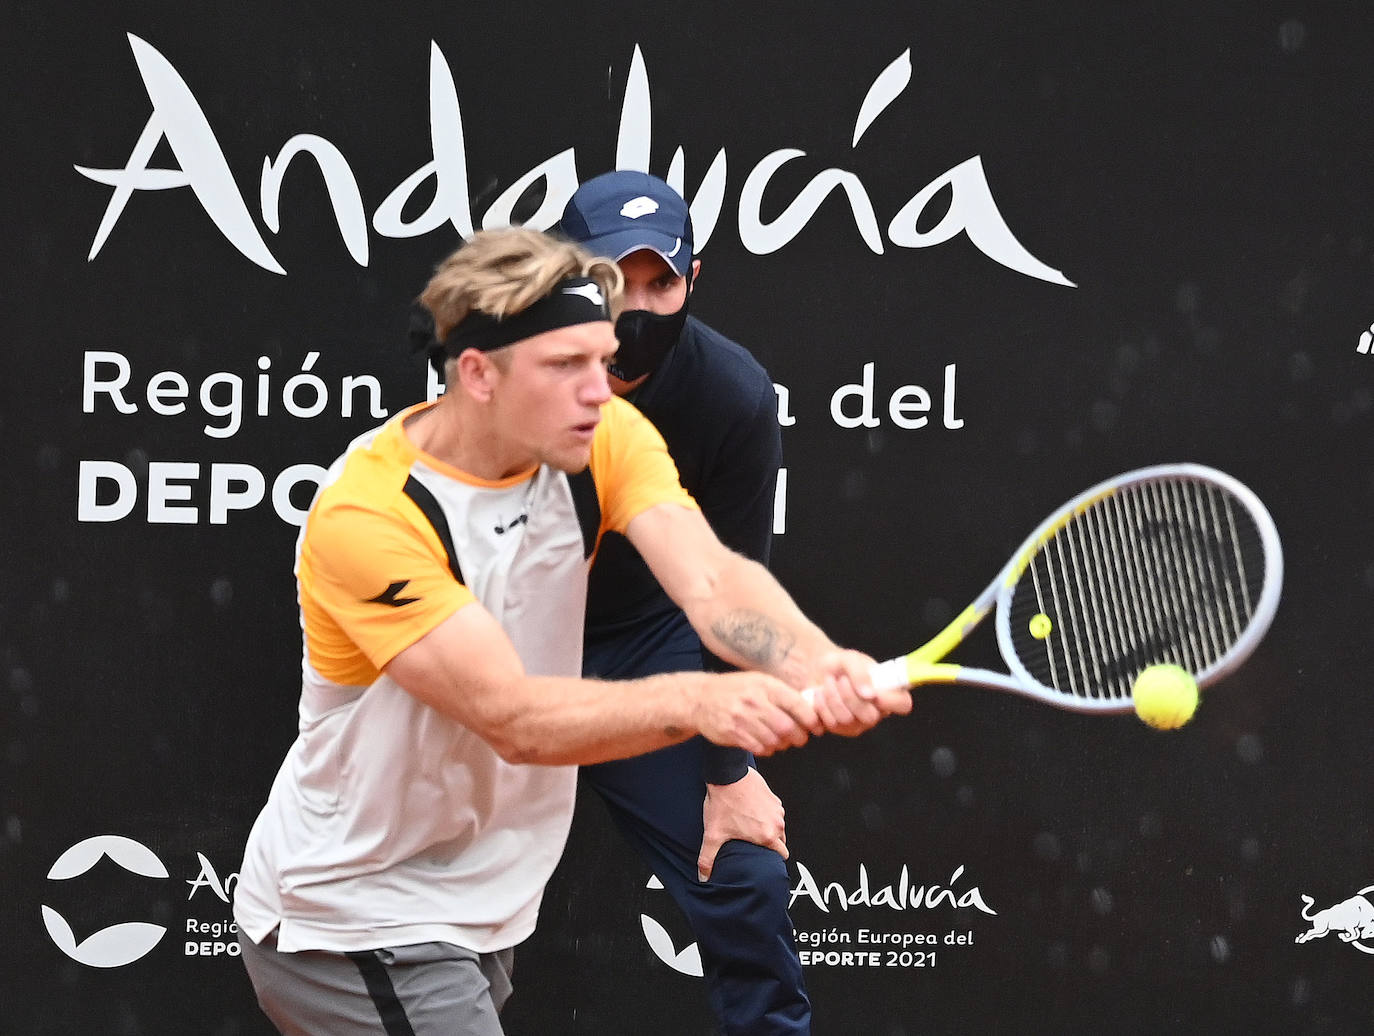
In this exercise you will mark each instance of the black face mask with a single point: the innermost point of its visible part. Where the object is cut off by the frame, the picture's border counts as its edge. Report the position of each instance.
(645, 339)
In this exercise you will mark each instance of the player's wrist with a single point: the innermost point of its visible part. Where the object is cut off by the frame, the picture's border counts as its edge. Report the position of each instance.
(812, 658)
(688, 701)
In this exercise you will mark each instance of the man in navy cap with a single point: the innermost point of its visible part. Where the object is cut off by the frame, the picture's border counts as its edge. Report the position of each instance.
(701, 814)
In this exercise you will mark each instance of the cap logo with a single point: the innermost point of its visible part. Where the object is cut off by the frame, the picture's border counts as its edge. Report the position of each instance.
(590, 292)
(636, 207)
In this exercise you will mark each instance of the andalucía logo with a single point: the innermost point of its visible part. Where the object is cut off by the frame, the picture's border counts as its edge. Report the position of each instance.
(1351, 919)
(441, 185)
(877, 936)
(120, 944)
(686, 961)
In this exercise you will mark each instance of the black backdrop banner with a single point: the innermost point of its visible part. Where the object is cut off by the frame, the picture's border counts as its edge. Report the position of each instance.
(989, 255)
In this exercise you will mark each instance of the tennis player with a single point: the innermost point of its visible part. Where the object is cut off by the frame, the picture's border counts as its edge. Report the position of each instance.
(441, 571)
(700, 814)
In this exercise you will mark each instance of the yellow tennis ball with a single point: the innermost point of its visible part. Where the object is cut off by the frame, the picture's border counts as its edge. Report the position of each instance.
(1165, 696)
(1040, 626)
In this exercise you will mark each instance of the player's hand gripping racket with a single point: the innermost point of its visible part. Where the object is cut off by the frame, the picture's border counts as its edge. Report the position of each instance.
(1171, 564)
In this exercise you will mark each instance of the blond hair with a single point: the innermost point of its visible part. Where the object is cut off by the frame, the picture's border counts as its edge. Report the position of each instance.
(502, 272)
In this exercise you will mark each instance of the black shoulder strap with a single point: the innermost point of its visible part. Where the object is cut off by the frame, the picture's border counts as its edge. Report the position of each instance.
(429, 507)
(588, 507)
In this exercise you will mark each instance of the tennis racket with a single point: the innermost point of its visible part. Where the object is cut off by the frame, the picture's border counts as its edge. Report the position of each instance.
(1176, 563)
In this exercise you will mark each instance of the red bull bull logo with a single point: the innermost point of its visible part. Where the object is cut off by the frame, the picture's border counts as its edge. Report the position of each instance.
(1351, 919)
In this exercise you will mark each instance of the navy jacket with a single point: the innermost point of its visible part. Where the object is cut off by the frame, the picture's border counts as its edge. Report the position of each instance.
(716, 409)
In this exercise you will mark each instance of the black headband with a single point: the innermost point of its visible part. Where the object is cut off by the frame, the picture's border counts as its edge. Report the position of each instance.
(577, 300)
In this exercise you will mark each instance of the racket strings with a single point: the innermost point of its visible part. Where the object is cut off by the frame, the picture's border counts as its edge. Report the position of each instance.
(1162, 571)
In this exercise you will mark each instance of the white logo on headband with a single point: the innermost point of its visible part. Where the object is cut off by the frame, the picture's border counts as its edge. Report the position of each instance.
(590, 292)
(637, 207)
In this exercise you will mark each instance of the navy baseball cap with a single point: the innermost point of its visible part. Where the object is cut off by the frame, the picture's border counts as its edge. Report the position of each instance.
(617, 213)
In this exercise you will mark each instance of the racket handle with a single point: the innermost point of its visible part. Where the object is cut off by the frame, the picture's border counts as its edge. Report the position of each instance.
(885, 676)
(890, 675)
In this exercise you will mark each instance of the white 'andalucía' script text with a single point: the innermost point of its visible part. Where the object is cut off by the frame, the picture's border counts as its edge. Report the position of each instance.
(903, 896)
(177, 117)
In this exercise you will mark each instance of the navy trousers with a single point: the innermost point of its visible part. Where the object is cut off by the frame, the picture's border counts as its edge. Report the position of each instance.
(739, 917)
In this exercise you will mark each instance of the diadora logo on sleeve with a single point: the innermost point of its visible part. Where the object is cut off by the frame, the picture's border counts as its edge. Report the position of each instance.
(960, 198)
(392, 595)
(124, 943)
(1351, 919)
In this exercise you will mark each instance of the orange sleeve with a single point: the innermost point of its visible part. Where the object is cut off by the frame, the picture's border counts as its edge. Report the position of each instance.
(372, 582)
(631, 466)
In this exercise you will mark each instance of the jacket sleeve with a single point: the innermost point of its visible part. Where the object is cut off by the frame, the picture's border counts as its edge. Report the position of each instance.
(737, 499)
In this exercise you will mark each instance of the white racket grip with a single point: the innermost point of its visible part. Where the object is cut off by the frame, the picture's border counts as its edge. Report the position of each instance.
(885, 676)
(889, 675)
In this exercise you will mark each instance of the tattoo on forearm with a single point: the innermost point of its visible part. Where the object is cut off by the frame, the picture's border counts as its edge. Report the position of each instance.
(754, 638)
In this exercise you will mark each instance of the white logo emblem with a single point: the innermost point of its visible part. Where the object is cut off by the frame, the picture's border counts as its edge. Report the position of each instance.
(1352, 919)
(637, 207)
(1366, 337)
(590, 292)
(687, 961)
(119, 944)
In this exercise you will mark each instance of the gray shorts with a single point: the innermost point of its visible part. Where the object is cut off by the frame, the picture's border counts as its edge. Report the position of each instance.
(427, 989)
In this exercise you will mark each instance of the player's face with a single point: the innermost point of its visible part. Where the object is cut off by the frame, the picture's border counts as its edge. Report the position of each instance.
(548, 401)
(651, 284)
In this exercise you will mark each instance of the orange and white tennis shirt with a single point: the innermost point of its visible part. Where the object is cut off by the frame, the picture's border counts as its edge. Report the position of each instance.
(390, 823)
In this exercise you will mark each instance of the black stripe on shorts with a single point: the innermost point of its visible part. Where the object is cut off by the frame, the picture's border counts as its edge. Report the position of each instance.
(383, 994)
